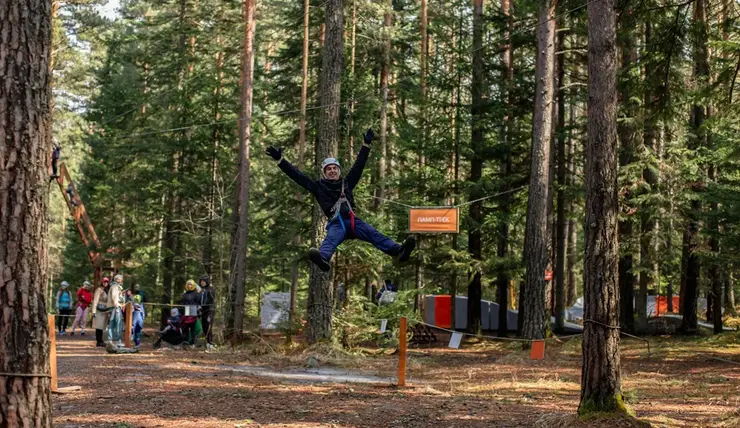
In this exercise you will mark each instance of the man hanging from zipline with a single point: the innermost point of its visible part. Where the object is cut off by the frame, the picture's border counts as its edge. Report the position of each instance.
(334, 194)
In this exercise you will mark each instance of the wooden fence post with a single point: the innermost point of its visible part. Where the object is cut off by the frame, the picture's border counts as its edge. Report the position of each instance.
(402, 353)
(129, 321)
(53, 354)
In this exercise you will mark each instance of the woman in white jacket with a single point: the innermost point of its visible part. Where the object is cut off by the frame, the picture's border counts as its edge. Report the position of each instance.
(100, 311)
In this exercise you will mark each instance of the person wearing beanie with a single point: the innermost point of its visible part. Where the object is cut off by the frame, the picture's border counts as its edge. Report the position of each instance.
(334, 195)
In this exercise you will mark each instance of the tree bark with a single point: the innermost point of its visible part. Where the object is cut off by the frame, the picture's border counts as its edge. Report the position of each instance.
(319, 289)
(698, 116)
(572, 286)
(239, 245)
(384, 72)
(301, 153)
(503, 280)
(26, 135)
(601, 389)
(648, 220)
(562, 240)
(729, 293)
(629, 139)
(475, 245)
(536, 235)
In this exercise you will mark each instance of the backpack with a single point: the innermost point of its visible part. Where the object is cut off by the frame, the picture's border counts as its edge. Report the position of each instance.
(65, 300)
(387, 297)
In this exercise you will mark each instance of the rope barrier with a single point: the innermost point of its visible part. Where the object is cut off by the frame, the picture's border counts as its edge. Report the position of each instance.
(25, 375)
(452, 206)
(481, 336)
(620, 332)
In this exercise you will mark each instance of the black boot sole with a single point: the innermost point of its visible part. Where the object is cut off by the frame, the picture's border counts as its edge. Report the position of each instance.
(315, 256)
(407, 248)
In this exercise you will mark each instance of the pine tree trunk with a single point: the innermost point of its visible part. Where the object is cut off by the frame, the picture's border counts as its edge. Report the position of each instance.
(561, 229)
(239, 244)
(422, 93)
(384, 72)
(629, 140)
(216, 138)
(698, 116)
(730, 294)
(475, 245)
(503, 279)
(319, 289)
(572, 286)
(536, 234)
(26, 135)
(301, 154)
(601, 389)
(715, 277)
(353, 49)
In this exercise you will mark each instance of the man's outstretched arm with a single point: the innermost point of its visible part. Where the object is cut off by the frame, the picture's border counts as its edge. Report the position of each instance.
(296, 175)
(355, 173)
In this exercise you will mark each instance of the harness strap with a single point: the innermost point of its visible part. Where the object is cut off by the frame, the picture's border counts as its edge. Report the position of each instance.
(338, 213)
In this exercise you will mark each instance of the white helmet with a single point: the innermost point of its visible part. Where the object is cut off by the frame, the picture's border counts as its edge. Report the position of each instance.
(65, 284)
(330, 161)
(86, 284)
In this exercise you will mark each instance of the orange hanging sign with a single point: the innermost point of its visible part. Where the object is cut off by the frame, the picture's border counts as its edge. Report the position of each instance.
(434, 220)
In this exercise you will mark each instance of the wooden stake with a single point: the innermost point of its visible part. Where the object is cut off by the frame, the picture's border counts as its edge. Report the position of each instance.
(129, 321)
(53, 354)
(402, 354)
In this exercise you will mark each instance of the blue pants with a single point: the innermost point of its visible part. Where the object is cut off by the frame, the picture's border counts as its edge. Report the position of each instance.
(335, 235)
(138, 325)
(115, 326)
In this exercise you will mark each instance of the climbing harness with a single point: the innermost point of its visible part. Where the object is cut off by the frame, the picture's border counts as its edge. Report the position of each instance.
(337, 209)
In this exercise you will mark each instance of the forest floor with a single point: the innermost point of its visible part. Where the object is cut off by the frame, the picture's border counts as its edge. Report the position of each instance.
(682, 382)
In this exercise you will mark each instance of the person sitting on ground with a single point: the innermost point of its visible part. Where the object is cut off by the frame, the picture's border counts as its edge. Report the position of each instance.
(100, 311)
(334, 195)
(137, 319)
(207, 309)
(64, 307)
(84, 298)
(171, 332)
(190, 300)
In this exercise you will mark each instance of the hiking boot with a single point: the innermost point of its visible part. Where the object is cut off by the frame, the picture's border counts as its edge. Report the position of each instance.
(83, 333)
(72, 334)
(406, 249)
(315, 256)
(100, 344)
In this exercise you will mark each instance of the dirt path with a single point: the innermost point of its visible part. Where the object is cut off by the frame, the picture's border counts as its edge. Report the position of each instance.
(679, 385)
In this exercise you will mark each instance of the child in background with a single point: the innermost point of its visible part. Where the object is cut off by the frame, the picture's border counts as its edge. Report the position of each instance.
(138, 319)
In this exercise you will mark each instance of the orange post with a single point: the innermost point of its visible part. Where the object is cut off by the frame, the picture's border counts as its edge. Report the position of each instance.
(538, 350)
(53, 354)
(129, 322)
(402, 353)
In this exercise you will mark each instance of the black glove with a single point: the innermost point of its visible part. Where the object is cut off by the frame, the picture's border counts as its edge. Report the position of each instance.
(275, 153)
(368, 136)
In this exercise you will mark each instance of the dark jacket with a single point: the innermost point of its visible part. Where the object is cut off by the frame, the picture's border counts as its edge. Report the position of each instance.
(325, 191)
(190, 298)
(207, 297)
